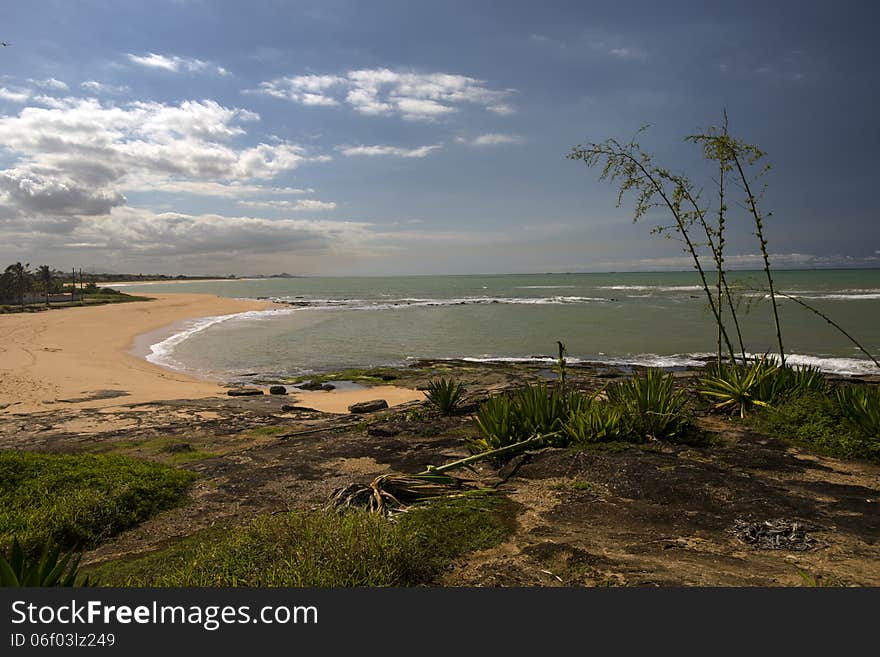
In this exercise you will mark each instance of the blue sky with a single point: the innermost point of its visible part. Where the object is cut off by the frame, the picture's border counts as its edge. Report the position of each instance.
(412, 137)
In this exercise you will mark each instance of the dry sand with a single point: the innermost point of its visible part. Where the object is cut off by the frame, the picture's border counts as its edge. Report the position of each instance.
(72, 357)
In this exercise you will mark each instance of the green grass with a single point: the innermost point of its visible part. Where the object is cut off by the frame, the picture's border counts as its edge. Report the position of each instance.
(159, 447)
(96, 299)
(77, 501)
(323, 548)
(269, 430)
(816, 422)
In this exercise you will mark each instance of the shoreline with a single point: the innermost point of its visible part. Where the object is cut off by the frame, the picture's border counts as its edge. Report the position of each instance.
(94, 357)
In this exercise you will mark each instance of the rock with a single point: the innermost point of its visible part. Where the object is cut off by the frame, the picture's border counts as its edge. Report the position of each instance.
(388, 377)
(383, 432)
(277, 390)
(244, 392)
(328, 387)
(288, 408)
(368, 406)
(311, 385)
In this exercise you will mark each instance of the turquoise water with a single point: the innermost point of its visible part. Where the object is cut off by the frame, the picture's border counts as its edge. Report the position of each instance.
(643, 318)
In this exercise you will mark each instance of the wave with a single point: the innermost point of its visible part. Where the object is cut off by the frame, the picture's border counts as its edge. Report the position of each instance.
(160, 353)
(384, 304)
(828, 364)
(544, 287)
(653, 288)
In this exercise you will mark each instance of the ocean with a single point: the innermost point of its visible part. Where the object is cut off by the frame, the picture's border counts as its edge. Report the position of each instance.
(656, 319)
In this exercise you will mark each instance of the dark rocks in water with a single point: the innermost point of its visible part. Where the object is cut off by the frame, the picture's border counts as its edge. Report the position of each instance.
(289, 408)
(277, 390)
(383, 432)
(368, 406)
(310, 385)
(328, 387)
(179, 448)
(244, 392)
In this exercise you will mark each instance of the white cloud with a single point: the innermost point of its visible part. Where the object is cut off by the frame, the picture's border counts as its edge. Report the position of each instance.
(176, 64)
(75, 157)
(501, 109)
(50, 83)
(376, 150)
(100, 88)
(491, 139)
(14, 96)
(627, 53)
(139, 232)
(300, 205)
(412, 96)
(231, 190)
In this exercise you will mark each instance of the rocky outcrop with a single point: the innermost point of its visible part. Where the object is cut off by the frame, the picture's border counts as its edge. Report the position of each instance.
(368, 406)
(244, 392)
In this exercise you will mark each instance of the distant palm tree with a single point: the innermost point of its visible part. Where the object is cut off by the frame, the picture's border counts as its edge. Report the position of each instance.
(21, 280)
(44, 275)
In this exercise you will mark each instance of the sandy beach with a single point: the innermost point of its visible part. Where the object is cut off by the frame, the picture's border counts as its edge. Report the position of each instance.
(82, 358)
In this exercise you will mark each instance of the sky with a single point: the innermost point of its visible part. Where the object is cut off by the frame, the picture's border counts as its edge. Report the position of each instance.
(385, 138)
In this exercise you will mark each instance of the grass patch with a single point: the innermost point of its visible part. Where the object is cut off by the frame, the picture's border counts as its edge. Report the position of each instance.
(80, 500)
(815, 422)
(322, 548)
(268, 431)
(166, 449)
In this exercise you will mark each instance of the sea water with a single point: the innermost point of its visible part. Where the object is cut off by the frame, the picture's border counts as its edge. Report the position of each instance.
(658, 319)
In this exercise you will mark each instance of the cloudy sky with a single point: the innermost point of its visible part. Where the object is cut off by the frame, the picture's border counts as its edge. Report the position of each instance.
(334, 137)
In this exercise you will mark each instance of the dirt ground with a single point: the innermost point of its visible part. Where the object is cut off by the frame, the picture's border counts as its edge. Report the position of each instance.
(657, 514)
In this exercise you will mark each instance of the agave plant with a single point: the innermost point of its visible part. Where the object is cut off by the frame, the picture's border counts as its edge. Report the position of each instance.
(445, 395)
(738, 387)
(861, 408)
(656, 409)
(51, 568)
(541, 410)
(598, 422)
(499, 423)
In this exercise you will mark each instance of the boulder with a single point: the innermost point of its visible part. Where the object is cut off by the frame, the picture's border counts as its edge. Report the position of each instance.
(310, 385)
(328, 387)
(368, 406)
(244, 392)
(277, 390)
(289, 408)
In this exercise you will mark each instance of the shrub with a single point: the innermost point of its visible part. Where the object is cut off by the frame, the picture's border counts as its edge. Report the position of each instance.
(445, 395)
(760, 383)
(860, 406)
(598, 422)
(80, 500)
(534, 410)
(51, 568)
(817, 422)
(499, 423)
(736, 387)
(542, 411)
(655, 408)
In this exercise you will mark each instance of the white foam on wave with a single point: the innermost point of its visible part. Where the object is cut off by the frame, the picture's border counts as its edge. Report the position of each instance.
(653, 288)
(828, 364)
(161, 352)
(414, 302)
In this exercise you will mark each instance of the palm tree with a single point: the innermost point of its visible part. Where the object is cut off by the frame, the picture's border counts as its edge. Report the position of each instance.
(21, 280)
(44, 275)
